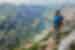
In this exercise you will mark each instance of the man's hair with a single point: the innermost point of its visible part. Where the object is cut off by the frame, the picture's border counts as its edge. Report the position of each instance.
(57, 12)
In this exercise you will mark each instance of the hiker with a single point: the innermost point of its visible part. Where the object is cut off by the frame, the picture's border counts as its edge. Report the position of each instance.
(58, 24)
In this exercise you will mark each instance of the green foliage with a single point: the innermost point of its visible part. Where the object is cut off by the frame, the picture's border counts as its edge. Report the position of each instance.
(35, 46)
(17, 42)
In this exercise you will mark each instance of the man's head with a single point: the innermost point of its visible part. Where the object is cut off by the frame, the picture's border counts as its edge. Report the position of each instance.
(58, 13)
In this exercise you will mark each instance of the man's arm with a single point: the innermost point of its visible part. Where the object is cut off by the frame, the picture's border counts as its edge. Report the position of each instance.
(62, 23)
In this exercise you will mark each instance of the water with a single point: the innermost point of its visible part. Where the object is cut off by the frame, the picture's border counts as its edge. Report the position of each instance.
(26, 15)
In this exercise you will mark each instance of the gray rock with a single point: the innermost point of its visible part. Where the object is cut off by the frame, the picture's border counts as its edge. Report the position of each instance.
(67, 41)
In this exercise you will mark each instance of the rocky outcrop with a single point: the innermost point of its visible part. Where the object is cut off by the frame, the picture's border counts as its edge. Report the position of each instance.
(67, 41)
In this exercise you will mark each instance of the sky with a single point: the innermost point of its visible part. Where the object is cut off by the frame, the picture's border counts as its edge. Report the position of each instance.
(37, 2)
(33, 2)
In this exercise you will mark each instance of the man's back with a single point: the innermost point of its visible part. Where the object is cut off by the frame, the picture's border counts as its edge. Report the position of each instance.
(58, 20)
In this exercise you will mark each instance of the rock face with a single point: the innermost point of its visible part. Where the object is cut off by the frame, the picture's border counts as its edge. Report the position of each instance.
(66, 42)
(69, 17)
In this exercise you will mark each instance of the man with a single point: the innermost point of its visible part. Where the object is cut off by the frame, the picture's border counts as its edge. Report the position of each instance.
(58, 24)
